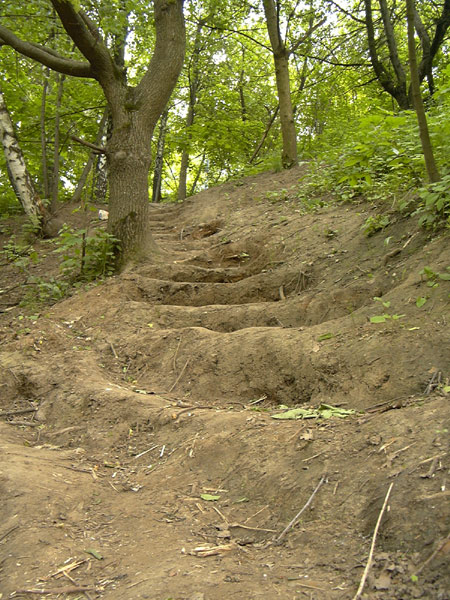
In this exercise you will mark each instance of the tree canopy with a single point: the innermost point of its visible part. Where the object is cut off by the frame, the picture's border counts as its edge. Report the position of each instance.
(229, 88)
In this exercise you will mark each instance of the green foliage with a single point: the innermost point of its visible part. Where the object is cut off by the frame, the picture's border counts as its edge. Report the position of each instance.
(85, 257)
(434, 204)
(385, 316)
(374, 224)
(20, 253)
(432, 278)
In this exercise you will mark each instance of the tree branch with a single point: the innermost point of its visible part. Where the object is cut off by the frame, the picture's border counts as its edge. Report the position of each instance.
(86, 38)
(96, 149)
(45, 56)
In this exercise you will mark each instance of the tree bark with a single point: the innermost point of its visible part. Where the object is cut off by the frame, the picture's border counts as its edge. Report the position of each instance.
(280, 53)
(19, 176)
(159, 158)
(430, 163)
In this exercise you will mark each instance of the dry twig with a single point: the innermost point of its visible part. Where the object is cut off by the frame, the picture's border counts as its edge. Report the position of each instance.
(297, 516)
(372, 546)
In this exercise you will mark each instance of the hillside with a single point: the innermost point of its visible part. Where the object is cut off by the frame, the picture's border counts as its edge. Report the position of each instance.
(149, 464)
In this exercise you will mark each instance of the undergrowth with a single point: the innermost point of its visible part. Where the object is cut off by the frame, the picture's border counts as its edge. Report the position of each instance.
(85, 258)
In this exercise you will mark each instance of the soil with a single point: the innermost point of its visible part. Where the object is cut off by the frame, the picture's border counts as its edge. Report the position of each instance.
(149, 464)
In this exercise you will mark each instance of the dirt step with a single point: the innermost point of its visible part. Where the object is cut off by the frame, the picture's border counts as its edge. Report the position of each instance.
(263, 287)
(303, 310)
(183, 271)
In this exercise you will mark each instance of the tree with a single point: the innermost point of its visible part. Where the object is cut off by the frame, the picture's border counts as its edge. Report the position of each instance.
(134, 110)
(430, 163)
(391, 72)
(281, 61)
(18, 173)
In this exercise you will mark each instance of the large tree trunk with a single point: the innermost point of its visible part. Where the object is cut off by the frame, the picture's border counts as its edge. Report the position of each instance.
(129, 159)
(432, 170)
(19, 176)
(281, 59)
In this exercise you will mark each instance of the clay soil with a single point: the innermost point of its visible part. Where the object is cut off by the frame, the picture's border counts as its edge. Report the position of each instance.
(149, 464)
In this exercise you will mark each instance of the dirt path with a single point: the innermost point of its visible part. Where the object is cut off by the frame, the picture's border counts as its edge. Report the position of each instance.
(153, 467)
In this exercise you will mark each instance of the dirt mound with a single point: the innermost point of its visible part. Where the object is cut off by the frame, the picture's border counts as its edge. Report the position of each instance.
(140, 456)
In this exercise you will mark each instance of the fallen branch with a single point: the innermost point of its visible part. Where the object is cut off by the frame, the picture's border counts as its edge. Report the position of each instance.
(372, 546)
(67, 590)
(297, 516)
(22, 411)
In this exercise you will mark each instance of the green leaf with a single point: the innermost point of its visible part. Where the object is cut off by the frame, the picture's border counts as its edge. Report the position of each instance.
(209, 497)
(325, 336)
(379, 318)
(420, 301)
(94, 553)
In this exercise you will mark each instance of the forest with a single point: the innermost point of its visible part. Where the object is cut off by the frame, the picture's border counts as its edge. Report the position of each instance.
(224, 299)
(122, 101)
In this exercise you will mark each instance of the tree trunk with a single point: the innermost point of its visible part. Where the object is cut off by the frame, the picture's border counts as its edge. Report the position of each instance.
(194, 83)
(19, 176)
(432, 170)
(159, 158)
(129, 158)
(280, 53)
(44, 163)
(184, 165)
(55, 174)
(90, 161)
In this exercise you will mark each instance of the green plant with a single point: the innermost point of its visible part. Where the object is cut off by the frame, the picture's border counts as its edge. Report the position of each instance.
(374, 224)
(20, 253)
(385, 316)
(432, 278)
(86, 257)
(434, 205)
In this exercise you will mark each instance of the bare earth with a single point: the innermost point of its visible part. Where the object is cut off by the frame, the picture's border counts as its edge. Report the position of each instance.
(152, 466)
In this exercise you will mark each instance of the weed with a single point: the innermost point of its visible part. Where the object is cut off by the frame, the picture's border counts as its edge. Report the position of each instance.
(434, 205)
(85, 257)
(374, 224)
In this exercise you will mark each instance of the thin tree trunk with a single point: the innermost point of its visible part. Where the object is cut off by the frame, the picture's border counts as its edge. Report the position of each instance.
(88, 166)
(280, 53)
(430, 163)
(197, 177)
(264, 135)
(159, 158)
(194, 82)
(44, 163)
(19, 176)
(55, 175)
(184, 164)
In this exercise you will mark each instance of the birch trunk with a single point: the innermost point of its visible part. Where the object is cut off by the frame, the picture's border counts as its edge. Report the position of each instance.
(19, 176)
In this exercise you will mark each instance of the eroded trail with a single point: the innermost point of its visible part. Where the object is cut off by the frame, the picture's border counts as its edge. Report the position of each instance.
(154, 468)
